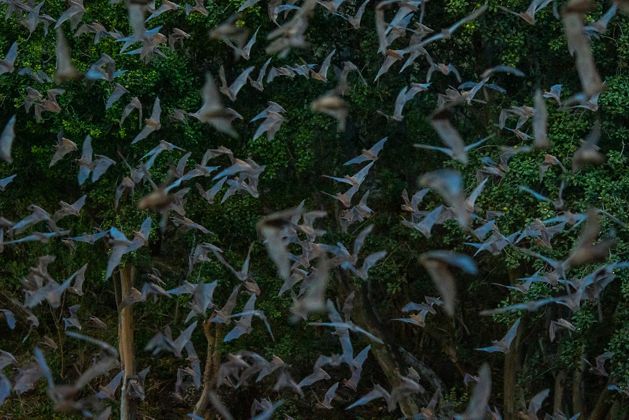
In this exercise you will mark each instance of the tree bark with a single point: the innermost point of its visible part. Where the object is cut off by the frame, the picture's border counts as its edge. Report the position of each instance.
(424, 371)
(511, 367)
(512, 359)
(602, 405)
(128, 407)
(386, 355)
(560, 384)
(578, 406)
(212, 361)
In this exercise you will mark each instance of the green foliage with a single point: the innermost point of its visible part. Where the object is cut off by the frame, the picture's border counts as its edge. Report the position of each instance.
(306, 147)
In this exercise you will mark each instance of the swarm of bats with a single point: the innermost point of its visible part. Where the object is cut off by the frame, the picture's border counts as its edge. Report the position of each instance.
(293, 238)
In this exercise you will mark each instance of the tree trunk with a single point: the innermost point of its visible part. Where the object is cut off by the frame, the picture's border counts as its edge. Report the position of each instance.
(578, 405)
(212, 361)
(560, 384)
(512, 358)
(387, 356)
(602, 405)
(128, 407)
(511, 367)
(424, 371)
